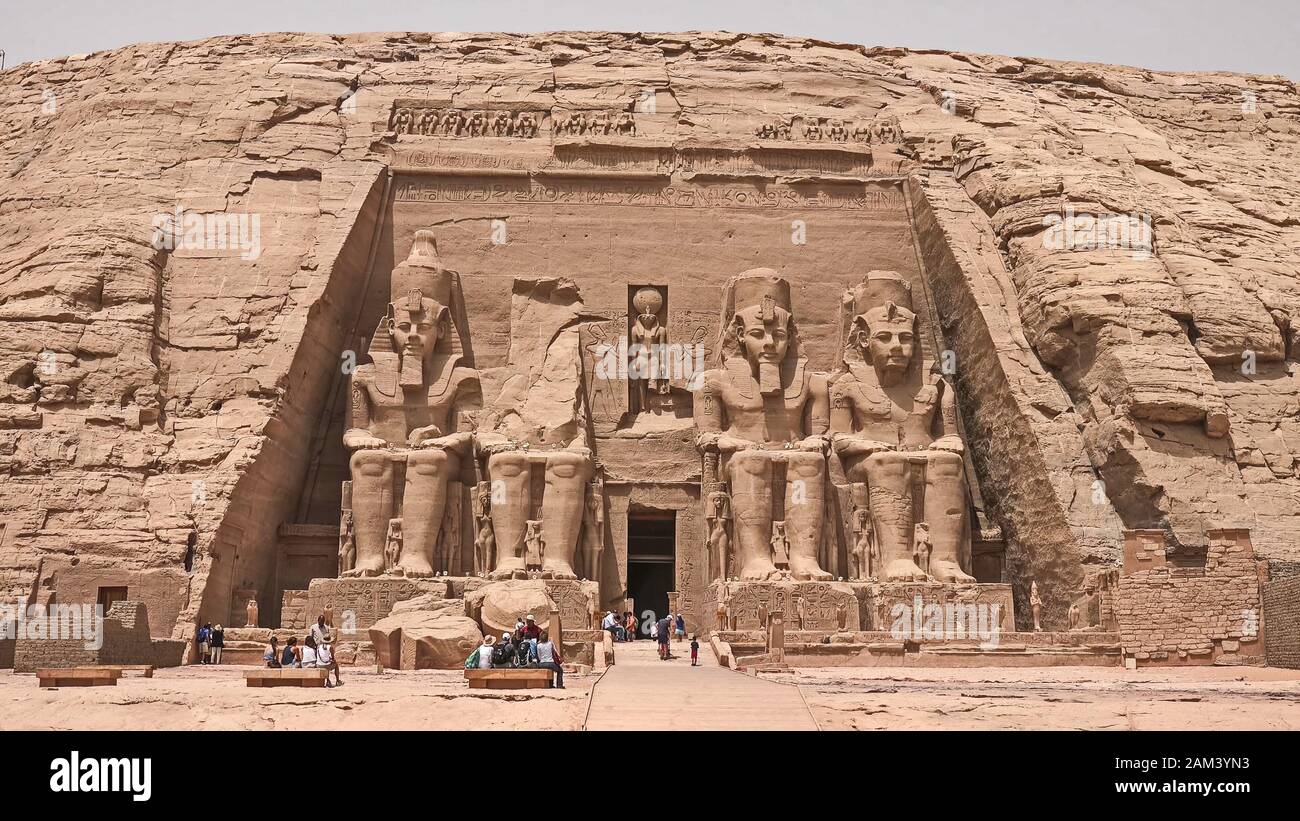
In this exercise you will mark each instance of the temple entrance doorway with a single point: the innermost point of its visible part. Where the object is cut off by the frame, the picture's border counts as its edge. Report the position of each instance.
(651, 563)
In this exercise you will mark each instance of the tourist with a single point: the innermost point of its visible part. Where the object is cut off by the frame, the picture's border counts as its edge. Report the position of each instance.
(548, 656)
(307, 656)
(204, 634)
(325, 658)
(292, 655)
(695, 651)
(272, 654)
(611, 624)
(532, 633)
(629, 626)
(654, 629)
(680, 632)
(481, 658)
(319, 632)
(216, 642)
(503, 655)
(663, 632)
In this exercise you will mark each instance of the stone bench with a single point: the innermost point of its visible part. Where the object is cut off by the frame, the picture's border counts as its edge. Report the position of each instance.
(287, 677)
(509, 678)
(145, 669)
(78, 677)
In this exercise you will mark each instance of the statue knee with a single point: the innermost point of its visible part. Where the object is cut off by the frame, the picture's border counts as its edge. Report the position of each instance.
(507, 465)
(369, 463)
(568, 465)
(945, 462)
(427, 462)
(805, 466)
(751, 462)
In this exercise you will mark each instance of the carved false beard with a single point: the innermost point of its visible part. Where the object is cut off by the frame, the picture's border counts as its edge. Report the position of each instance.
(411, 374)
(769, 378)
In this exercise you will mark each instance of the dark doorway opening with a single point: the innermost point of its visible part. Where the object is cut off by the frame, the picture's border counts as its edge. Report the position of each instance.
(108, 596)
(651, 563)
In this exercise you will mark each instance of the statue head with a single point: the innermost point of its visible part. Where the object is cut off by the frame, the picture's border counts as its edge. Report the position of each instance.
(648, 302)
(418, 322)
(762, 328)
(884, 329)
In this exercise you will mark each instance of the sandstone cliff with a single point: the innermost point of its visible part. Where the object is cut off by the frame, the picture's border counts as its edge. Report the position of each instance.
(155, 403)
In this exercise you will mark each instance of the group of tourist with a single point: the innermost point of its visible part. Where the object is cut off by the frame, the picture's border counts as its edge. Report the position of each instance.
(316, 650)
(528, 646)
(624, 629)
(210, 640)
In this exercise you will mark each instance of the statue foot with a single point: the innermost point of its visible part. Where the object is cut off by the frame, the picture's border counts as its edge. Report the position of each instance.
(507, 567)
(364, 570)
(904, 570)
(759, 571)
(808, 570)
(559, 570)
(951, 572)
(415, 570)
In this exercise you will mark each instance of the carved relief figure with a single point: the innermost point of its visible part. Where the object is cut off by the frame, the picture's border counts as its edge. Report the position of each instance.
(401, 120)
(534, 544)
(347, 543)
(626, 125)
(766, 417)
(594, 529)
(812, 128)
(894, 425)
(526, 125)
(1035, 605)
(922, 546)
(719, 519)
(405, 407)
(837, 132)
(780, 546)
(501, 124)
(428, 121)
(647, 347)
(393, 545)
(862, 564)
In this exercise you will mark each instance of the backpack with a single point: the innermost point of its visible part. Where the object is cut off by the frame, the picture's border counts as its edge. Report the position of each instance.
(472, 661)
(500, 655)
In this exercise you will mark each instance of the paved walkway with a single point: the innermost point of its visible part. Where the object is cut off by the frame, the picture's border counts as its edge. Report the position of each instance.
(640, 692)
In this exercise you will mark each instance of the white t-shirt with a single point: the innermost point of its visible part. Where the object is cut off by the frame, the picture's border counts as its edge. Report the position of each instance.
(608, 622)
(485, 656)
(308, 656)
(323, 657)
(545, 652)
(654, 630)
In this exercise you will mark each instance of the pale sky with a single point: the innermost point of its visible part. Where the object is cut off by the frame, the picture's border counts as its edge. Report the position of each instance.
(1255, 36)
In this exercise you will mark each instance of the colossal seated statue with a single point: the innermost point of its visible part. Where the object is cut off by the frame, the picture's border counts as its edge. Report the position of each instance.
(762, 416)
(403, 416)
(894, 427)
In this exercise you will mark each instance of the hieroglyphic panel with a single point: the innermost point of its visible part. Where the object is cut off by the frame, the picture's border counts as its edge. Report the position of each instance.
(575, 600)
(369, 600)
(807, 605)
(604, 357)
(882, 599)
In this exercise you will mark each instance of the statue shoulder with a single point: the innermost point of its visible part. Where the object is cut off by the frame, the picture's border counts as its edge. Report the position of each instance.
(463, 377)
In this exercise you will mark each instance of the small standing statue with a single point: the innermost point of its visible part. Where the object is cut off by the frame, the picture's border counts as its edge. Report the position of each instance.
(252, 613)
(863, 565)
(842, 616)
(922, 547)
(762, 614)
(1036, 605)
(534, 546)
(647, 348)
(393, 545)
(594, 528)
(1072, 616)
(484, 538)
(801, 612)
(719, 540)
(780, 546)
(347, 543)
(721, 613)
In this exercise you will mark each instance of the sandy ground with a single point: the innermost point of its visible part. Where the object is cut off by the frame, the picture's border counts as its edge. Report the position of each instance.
(215, 698)
(1051, 698)
(1095, 698)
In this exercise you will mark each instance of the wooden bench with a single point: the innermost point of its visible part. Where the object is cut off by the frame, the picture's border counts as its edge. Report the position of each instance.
(287, 677)
(145, 669)
(510, 678)
(78, 677)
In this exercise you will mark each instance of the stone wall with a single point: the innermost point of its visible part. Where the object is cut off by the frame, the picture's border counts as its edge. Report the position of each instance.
(1193, 609)
(293, 610)
(126, 640)
(1282, 618)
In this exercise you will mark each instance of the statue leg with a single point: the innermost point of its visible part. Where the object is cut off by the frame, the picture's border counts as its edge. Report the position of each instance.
(372, 507)
(749, 473)
(889, 480)
(805, 514)
(563, 506)
(511, 485)
(945, 513)
(423, 506)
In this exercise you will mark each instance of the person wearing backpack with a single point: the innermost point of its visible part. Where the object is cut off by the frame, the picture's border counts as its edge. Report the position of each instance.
(203, 636)
(503, 655)
(481, 658)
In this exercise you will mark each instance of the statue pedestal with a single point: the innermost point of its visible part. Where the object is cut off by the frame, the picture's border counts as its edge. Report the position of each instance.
(805, 605)
(908, 605)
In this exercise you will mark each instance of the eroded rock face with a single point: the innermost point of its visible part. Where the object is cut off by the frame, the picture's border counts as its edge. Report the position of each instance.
(160, 396)
(424, 640)
(499, 605)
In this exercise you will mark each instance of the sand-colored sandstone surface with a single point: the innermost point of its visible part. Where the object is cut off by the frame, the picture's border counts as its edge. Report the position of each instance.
(1051, 698)
(1055, 698)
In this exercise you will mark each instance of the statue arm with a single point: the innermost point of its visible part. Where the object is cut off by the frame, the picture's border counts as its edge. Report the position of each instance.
(357, 435)
(468, 398)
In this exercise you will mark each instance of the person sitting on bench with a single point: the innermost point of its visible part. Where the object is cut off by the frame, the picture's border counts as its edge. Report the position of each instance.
(548, 656)
(292, 655)
(272, 654)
